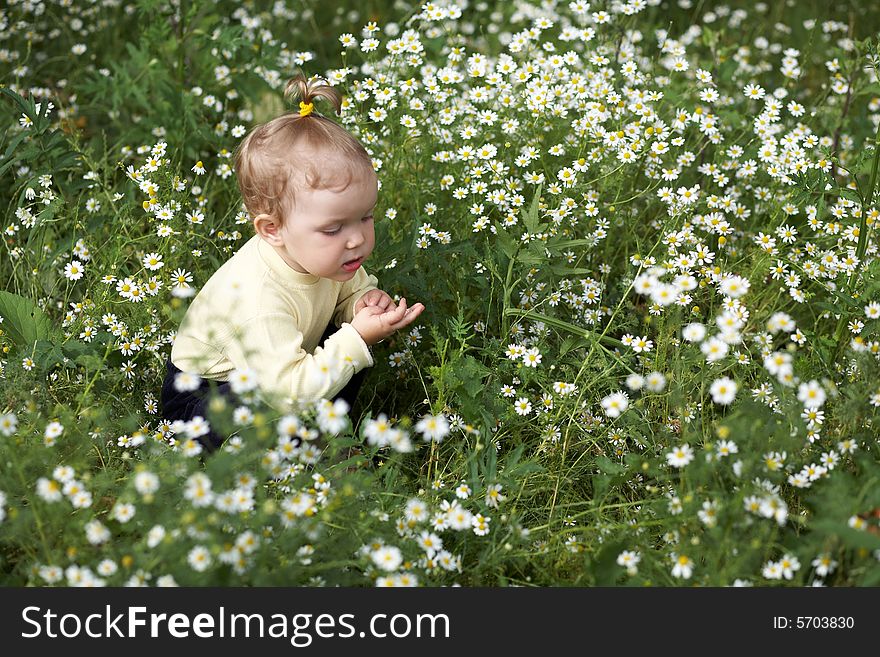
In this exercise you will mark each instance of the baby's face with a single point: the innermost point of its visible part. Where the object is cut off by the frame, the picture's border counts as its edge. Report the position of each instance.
(329, 233)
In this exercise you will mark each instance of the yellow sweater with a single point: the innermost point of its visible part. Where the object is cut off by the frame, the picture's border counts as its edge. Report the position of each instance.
(258, 313)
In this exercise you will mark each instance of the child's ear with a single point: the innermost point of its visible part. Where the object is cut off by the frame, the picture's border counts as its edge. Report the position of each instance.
(267, 227)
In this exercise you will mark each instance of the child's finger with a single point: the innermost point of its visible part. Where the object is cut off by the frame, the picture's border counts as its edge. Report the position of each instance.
(395, 313)
(370, 311)
(410, 316)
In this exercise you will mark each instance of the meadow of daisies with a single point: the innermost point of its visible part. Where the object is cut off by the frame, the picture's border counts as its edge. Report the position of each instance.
(644, 232)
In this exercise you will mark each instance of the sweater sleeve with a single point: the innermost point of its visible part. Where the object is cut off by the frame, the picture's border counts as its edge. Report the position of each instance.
(272, 347)
(349, 294)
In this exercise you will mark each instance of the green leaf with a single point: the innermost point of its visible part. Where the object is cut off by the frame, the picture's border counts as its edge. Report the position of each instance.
(529, 258)
(588, 335)
(560, 244)
(563, 270)
(843, 298)
(90, 362)
(572, 342)
(23, 106)
(604, 567)
(507, 243)
(710, 37)
(490, 464)
(853, 538)
(608, 466)
(12, 149)
(872, 578)
(600, 483)
(24, 321)
(47, 354)
(471, 373)
(464, 377)
(531, 217)
(77, 349)
(851, 194)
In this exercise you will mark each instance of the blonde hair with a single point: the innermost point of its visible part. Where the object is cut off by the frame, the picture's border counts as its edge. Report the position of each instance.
(300, 144)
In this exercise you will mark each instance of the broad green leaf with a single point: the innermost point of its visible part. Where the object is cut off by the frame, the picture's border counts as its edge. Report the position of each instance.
(608, 466)
(506, 242)
(529, 258)
(572, 342)
(24, 321)
(47, 354)
(604, 567)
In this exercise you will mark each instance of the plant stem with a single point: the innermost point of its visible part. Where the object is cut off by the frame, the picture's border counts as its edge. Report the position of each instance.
(862, 246)
(867, 201)
(98, 372)
(505, 301)
(44, 543)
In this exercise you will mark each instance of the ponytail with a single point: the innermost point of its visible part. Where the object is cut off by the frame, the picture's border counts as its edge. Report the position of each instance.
(308, 91)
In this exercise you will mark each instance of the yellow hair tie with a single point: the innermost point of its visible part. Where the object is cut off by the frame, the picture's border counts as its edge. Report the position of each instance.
(306, 108)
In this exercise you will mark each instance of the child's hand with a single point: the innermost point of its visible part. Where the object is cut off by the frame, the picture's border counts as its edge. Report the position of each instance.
(374, 298)
(375, 325)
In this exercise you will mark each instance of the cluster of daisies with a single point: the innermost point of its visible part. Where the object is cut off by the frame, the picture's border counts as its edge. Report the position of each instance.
(421, 531)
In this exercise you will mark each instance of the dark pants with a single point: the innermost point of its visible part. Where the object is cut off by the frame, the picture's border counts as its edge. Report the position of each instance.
(185, 405)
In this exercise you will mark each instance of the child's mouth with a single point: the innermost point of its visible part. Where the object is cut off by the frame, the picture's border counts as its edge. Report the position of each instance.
(352, 265)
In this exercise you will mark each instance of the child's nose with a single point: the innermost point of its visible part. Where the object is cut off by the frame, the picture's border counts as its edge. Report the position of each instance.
(355, 239)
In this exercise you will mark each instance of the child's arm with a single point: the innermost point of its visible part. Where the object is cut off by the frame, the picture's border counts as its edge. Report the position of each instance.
(272, 346)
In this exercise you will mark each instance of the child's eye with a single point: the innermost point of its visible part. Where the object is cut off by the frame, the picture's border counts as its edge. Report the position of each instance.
(367, 218)
(330, 232)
